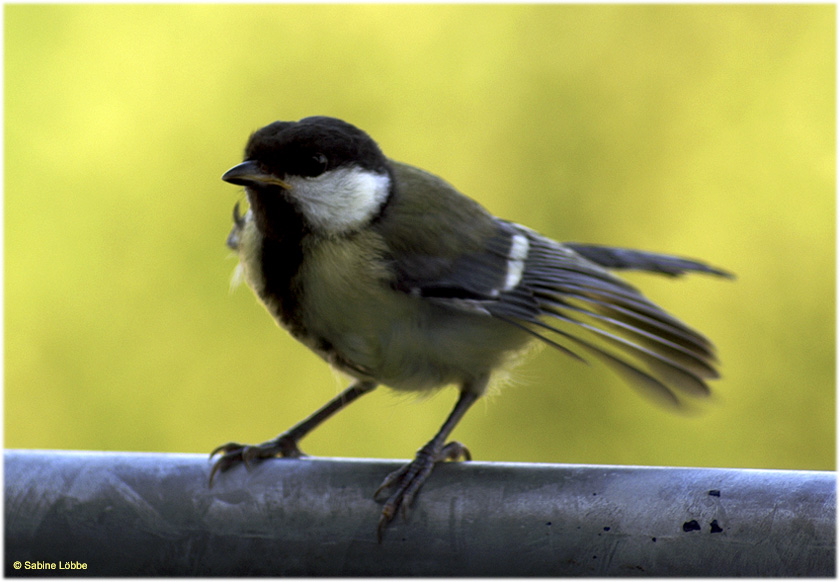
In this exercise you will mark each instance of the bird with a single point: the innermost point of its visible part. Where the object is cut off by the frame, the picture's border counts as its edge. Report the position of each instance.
(396, 279)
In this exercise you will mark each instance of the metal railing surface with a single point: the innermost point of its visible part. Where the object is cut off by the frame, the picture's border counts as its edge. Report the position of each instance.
(148, 514)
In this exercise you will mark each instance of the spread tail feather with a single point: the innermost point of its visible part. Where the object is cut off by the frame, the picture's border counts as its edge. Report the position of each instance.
(579, 308)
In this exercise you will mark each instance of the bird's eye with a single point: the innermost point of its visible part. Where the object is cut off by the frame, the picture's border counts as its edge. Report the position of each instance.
(315, 165)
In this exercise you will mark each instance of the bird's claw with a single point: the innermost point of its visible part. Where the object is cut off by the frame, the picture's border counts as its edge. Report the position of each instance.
(234, 453)
(408, 479)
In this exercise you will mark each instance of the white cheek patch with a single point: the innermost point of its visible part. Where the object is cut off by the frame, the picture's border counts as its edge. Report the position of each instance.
(516, 260)
(340, 200)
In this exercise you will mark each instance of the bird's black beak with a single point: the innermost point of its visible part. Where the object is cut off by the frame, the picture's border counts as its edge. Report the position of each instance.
(249, 173)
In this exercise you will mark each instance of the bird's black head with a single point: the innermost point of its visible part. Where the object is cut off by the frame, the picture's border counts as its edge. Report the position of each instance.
(312, 146)
(332, 174)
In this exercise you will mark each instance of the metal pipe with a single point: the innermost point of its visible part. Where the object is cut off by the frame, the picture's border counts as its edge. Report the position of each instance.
(147, 514)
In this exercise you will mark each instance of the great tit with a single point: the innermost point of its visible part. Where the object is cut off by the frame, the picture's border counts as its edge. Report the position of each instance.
(395, 278)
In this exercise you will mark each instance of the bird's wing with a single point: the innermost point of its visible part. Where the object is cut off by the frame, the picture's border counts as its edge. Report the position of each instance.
(442, 246)
(584, 308)
(551, 291)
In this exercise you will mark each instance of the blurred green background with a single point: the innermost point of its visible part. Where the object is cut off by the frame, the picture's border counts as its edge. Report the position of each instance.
(706, 131)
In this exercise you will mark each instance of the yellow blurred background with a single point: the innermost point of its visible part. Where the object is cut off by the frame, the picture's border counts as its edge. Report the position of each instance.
(706, 131)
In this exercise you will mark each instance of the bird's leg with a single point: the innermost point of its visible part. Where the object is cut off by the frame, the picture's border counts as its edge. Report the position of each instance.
(285, 444)
(408, 479)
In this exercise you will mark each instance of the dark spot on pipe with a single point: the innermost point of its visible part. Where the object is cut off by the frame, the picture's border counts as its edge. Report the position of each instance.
(691, 526)
(715, 492)
(715, 527)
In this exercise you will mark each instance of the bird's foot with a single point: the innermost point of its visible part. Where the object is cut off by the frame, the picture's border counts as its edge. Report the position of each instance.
(234, 453)
(408, 479)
